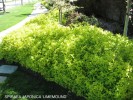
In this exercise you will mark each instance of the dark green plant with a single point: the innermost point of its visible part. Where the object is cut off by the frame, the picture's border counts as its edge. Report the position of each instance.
(73, 17)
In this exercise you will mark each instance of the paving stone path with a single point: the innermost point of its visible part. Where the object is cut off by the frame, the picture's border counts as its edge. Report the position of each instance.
(6, 69)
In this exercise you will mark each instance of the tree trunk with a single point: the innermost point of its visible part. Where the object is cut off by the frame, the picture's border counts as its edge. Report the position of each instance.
(127, 17)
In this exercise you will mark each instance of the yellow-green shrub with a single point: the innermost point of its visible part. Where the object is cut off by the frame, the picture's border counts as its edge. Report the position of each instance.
(85, 59)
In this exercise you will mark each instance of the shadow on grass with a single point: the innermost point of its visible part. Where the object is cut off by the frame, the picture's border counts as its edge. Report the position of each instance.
(23, 15)
(22, 83)
(2, 13)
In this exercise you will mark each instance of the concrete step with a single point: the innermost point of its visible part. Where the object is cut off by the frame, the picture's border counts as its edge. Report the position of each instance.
(2, 79)
(8, 69)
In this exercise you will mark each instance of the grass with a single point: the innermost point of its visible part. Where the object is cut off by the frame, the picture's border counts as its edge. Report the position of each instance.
(14, 15)
(22, 83)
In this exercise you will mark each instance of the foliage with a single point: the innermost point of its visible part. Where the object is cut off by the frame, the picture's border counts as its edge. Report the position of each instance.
(47, 4)
(85, 59)
(73, 17)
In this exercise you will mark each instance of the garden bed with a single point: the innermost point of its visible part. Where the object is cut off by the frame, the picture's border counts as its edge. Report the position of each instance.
(82, 58)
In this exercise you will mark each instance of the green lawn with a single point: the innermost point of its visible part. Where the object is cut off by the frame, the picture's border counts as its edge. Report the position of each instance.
(14, 15)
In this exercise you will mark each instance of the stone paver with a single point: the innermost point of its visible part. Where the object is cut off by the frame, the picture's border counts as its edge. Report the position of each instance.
(2, 79)
(8, 69)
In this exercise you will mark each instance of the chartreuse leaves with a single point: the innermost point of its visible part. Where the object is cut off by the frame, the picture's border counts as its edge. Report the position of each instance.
(85, 59)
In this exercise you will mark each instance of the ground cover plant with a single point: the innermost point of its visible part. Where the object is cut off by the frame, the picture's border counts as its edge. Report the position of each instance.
(14, 15)
(85, 59)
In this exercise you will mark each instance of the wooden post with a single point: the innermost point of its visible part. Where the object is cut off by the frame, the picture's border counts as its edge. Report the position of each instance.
(60, 15)
(60, 7)
(127, 17)
(21, 2)
(3, 5)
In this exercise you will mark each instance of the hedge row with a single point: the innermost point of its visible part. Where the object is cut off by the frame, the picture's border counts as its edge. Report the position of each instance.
(85, 59)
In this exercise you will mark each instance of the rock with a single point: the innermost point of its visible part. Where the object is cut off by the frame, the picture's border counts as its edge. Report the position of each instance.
(2, 79)
(112, 13)
(111, 9)
(108, 9)
(111, 26)
(8, 69)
